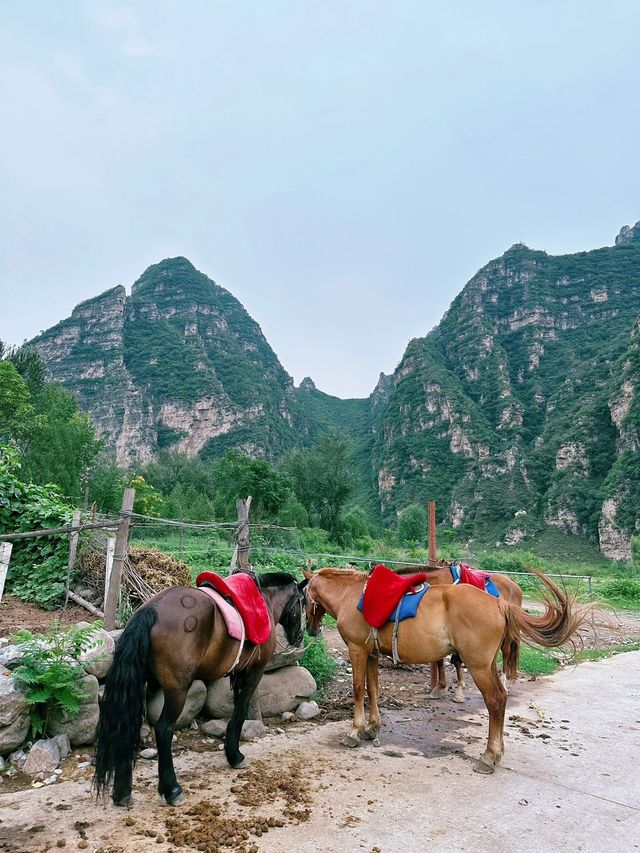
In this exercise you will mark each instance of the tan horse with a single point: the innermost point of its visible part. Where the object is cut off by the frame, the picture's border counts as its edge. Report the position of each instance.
(509, 591)
(458, 617)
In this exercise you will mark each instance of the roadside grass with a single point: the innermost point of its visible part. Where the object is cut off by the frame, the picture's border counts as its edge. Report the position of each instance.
(319, 662)
(535, 661)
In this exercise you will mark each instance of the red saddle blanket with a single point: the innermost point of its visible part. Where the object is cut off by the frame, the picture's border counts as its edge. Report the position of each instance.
(472, 576)
(245, 595)
(383, 591)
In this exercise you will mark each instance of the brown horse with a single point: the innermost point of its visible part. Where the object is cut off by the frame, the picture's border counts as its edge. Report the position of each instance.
(176, 637)
(508, 589)
(458, 617)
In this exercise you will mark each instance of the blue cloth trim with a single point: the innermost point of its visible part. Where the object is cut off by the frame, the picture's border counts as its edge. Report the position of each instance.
(455, 572)
(491, 588)
(408, 604)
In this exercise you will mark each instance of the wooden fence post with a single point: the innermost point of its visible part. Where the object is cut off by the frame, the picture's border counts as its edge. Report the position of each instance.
(111, 547)
(120, 553)
(433, 555)
(5, 556)
(73, 547)
(241, 553)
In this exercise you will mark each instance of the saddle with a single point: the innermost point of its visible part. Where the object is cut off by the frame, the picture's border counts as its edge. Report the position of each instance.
(240, 591)
(390, 597)
(462, 573)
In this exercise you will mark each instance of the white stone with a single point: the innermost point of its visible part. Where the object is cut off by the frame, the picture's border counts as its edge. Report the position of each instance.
(307, 710)
(195, 701)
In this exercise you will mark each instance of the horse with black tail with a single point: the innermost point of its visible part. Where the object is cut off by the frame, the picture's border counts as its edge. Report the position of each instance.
(177, 636)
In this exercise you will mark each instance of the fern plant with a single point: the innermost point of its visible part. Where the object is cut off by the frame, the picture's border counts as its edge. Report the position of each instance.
(50, 675)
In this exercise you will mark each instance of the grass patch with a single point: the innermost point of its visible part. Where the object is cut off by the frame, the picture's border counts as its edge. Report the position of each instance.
(538, 662)
(319, 662)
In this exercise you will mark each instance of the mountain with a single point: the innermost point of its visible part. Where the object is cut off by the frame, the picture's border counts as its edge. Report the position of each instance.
(178, 363)
(520, 411)
(521, 406)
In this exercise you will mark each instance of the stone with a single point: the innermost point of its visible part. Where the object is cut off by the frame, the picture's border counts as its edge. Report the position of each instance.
(219, 701)
(194, 704)
(64, 745)
(81, 729)
(15, 734)
(289, 717)
(252, 729)
(149, 754)
(285, 654)
(214, 728)
(44, 757)
(307, 710)
(278, 691)
(13, 702)
(284, 689)
(18, 757)
(145, 731)
(97, 659)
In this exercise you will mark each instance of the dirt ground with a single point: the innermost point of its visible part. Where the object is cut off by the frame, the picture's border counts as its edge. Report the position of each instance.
(565, 782)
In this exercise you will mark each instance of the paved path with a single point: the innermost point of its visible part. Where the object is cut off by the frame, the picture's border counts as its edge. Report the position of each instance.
(570, 781)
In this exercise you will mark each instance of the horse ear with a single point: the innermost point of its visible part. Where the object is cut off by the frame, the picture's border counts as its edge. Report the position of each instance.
(307, 573)
(303, 583)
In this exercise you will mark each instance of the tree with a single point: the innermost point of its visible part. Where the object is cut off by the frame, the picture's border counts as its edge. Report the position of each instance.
(16, 410)
(61, 443)
(322, 479)
(412, 525)
(237, 476)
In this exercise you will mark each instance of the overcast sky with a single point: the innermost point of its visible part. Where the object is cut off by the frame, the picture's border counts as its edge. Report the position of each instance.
(343, 168)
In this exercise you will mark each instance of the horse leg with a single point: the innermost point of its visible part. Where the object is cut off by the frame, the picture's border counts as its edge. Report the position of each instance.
(495, 698)
(168, 787)
(371, 731)
(359, 656)
(458, 695)
(244, 685)
(440, 688)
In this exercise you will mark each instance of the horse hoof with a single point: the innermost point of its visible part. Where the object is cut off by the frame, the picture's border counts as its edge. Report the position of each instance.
(241, 765)
(370, 733)
(485, 769)
(350, 741)
(175, 797)
(435, 694)
(458, 698)
(125, 802)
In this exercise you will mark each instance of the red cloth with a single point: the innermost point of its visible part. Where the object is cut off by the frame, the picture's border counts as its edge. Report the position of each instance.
(383, 592)
(472, 576)
(244, 593)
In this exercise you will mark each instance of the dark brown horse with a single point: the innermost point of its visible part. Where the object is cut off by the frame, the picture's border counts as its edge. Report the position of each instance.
(176, 637)
(458, 617)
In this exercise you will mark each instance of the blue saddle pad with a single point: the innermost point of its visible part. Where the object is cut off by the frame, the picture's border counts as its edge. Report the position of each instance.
(408, 604)
(491, 588)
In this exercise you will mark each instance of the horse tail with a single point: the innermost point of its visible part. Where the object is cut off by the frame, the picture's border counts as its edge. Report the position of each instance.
(556, 626)
(122, 707)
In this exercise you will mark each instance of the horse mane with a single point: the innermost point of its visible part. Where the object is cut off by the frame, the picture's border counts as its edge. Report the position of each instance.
(275, 579)
(339, 572)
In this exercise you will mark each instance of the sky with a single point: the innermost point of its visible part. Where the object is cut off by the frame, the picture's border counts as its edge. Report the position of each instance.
(343, 168)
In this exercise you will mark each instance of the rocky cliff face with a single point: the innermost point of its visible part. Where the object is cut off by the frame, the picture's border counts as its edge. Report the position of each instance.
(522, 400)
(179, 363)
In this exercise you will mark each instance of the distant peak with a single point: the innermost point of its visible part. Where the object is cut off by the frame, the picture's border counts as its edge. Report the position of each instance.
(628, 234)
(308, 384)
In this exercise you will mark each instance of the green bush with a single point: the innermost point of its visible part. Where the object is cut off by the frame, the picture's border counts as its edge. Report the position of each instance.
(50, 677)
(621, 589)
(318, 661)
(38, 567)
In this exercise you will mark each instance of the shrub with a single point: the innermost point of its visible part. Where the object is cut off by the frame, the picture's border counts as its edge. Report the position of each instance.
(318, 661)
(621, 589)
(50, 676)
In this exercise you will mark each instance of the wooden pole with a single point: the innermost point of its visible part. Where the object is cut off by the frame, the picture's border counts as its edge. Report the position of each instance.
(5, 556)
(73, 547)
(120, 553)
(56, 531)
(433, 551)
(86, 604)
(242, 562)
(108, 568)
(433, 554)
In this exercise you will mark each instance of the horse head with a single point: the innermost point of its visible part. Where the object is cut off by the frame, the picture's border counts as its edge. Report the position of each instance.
(314, 611)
